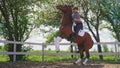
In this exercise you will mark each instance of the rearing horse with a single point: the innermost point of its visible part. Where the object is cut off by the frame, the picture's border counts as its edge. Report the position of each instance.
(84, 42)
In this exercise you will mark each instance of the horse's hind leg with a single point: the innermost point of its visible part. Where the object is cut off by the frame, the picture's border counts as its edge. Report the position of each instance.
(87, 57)
(81, 57)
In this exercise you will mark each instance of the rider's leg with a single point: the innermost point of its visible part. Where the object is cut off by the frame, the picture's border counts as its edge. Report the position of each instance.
(76, 29)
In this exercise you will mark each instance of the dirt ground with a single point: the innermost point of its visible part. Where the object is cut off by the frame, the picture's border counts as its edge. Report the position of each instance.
(57, 65)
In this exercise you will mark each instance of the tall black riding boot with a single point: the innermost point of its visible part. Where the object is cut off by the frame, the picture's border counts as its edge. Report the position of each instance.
(72, 36)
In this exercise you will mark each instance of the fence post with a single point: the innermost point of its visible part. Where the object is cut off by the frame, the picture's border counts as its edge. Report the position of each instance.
(116, 55)
(43, 52)
(71, 49)
(14, 55)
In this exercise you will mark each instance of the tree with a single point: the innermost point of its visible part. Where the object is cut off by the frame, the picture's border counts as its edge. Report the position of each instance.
(15, 23)
(49, 16)
(91, 14)
(111, 14)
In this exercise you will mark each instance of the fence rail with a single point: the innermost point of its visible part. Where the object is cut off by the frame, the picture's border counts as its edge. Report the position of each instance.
(43, 53)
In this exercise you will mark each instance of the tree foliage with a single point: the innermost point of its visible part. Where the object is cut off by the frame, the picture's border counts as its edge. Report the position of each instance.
(111, 14)
(90, 12)
(19, 17)
(48, 14)
(15, 20)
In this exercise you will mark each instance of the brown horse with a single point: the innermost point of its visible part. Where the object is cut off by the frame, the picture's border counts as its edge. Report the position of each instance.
(84, 42)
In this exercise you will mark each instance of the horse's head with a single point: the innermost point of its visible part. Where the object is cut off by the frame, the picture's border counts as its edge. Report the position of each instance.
(65, 8)
(66, 25)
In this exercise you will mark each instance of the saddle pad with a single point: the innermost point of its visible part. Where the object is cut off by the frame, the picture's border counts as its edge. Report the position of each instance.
(80, 33)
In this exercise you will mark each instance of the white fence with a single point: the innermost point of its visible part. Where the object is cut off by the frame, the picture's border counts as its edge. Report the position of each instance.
(116, 53)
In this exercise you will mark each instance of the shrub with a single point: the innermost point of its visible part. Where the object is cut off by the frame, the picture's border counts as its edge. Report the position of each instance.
(105, 48)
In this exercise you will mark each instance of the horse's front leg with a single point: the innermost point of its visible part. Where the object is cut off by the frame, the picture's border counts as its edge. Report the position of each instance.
(57, 43)
(87, 57)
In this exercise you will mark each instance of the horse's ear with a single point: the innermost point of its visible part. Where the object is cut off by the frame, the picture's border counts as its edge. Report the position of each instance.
(58, 6)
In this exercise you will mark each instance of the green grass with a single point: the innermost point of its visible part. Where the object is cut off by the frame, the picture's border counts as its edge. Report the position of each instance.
(4, 58)
(49, 58)
(105, 58)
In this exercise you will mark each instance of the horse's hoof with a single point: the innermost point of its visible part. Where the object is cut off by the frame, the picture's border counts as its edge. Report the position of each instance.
(84, 64)
(75, 63)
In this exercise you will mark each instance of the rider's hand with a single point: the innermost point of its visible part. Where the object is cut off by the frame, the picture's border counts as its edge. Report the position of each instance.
(77, 20)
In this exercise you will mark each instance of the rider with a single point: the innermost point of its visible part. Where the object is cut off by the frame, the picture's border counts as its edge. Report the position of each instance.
(78, 24)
